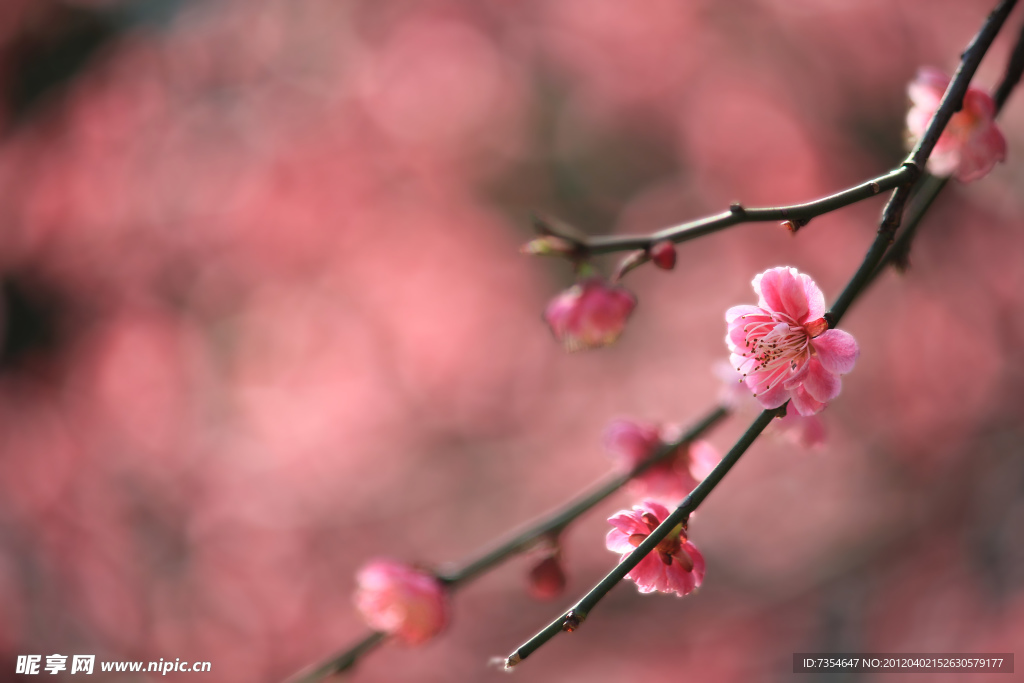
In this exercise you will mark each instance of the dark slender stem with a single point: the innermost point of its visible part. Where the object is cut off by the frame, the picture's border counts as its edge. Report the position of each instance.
(1014, 70)
(554, 523)
(799, 214)
(342, 661)
(578, 612)
(898, 256)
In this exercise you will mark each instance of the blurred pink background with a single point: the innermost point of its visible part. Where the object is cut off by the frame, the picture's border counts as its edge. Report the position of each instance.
(263, 318)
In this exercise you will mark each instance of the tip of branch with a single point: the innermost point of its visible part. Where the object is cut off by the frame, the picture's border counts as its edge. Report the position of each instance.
(505, 663)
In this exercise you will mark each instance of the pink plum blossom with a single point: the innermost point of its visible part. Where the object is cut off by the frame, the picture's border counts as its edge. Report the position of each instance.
(971, 144)
(807, 431)
(783, 347)
(590, 314)
(674, 566)
(402, 600)
(631, 442)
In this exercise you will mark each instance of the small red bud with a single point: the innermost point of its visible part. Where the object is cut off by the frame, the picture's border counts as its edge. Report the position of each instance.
(547, 579)
(664, 255)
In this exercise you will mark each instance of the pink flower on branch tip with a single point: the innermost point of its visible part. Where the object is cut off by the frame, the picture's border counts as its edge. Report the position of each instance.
(674, 566)
(971, 144)
(670, 480)
(401, 600)
(590, 314)
(782, 346)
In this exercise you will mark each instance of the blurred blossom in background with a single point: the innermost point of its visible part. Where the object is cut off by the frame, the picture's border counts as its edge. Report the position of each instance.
(263, 318)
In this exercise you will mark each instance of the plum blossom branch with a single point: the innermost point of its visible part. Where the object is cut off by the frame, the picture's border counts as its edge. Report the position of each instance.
(891, 217)
(517, 542)
(571, 619)
(1012, 76)
(556, 522)
(903, 179)
(580, 246)
(892, 214)
(798, 215)
(931, 186)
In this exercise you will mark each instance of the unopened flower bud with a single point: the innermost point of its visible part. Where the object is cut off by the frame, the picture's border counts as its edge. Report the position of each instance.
(664, 255)
(546, 579)
(590, 314)
(401, 600)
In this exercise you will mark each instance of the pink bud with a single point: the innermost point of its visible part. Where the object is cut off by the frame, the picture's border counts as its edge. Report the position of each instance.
(782, 346)
(401, 600)
(546, 579)
(590, 314)
(664, 255)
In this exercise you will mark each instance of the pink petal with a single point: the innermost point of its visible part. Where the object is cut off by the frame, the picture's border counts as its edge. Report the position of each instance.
(781, 290)
(628, 522)
(678, 580)
(928, 87)
(837, 351)
(739, 311)
(793, 295)
(703, 458)
(736, 339)
(815, 299)
(980, 104)
(698, 561)
(981, 153)
(798, 375)
(655, 508)
(821, 384)
(648, 574)
(804, 403)
(618, 542)
(944, 163)
(774, 397)
(631, 441)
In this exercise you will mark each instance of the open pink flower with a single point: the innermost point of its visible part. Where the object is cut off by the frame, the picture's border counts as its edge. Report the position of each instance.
(631, 442)
(783, 347)
(971, 144)
(402, 600)
(674, 566)
(590, 314)
(808, 431)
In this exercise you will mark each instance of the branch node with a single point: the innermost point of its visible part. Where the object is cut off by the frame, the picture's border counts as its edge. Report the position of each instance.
(913, 169)
(737, 209)
(572, 621)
